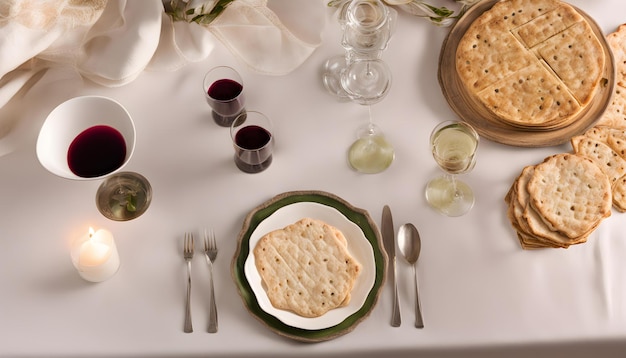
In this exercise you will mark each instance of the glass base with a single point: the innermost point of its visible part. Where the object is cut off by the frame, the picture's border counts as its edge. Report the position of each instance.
(366, 81)
(450, 197)
(252, 168)
(332, 77)
(124, 196)
(371, 154)
(225, 121)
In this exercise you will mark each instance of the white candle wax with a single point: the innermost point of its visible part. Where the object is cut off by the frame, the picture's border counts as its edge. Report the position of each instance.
(95, 256)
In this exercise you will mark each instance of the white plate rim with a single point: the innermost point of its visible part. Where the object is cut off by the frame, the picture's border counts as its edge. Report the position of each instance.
(358, 245)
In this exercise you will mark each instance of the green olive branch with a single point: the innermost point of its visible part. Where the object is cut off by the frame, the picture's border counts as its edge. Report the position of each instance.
(180, 10)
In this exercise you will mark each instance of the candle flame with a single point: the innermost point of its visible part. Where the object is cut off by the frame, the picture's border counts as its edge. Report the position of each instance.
(91, 232)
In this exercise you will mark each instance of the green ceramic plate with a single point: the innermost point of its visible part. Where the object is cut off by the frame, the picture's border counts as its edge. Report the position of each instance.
(363, 241)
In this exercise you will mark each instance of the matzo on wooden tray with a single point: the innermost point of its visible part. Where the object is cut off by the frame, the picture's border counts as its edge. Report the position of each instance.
(533, 63)
(306, 267)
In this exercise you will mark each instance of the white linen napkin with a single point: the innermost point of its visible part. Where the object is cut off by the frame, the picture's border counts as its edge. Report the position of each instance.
(255, 34)
(111, 42)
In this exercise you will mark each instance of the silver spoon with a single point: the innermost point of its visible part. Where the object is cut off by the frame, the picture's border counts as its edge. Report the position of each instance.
(410, 245)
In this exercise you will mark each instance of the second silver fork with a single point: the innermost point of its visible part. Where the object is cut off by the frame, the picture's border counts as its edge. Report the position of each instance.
(188, 255)
(210, 252)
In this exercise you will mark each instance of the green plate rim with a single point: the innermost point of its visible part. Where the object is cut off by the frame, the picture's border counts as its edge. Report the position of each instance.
(358, 216)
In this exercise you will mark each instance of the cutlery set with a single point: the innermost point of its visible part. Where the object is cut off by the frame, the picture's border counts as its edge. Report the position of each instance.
(409, 243)
(210, 253)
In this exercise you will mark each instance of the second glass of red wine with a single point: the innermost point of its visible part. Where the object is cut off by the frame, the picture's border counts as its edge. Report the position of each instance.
(253, 141)
(223, 90)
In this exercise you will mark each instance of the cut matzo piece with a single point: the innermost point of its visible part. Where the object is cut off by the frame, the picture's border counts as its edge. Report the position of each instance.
(530, 97)
(547, 25)
(577, 57)
(485, 56)
(306, 267)
(571, 194)
(515, 13)
(611, 164)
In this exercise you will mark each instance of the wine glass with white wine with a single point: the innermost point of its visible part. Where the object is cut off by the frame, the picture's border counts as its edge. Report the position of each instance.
(371, 153)
(454, 146)
(362, 77)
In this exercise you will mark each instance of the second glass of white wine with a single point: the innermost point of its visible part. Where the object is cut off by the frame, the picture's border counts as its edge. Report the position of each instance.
(371, 153)
(454, 146)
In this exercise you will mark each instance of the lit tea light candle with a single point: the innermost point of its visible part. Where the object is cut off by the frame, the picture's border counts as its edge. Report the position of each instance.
(95, 256)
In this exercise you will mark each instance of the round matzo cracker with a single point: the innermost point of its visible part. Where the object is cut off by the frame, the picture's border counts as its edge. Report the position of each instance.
(570, 193)
(306, 267)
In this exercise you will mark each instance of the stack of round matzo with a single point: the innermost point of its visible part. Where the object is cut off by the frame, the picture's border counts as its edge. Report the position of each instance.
(558, 202)
(306, 267)
(535, 64)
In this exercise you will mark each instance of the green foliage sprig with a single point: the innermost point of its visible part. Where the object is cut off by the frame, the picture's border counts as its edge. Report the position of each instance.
(181, 10)
(440, 16)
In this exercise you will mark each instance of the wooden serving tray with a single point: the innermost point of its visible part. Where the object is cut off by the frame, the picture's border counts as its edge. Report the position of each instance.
(486, 123)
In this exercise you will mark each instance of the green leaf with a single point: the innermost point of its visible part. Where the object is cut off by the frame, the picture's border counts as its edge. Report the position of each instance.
(131, 203)
(203, 15)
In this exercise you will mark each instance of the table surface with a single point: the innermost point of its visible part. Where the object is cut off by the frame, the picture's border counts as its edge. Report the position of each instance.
(482, 295)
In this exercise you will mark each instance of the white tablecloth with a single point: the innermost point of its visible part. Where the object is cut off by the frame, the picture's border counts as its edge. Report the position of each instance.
(482, 295)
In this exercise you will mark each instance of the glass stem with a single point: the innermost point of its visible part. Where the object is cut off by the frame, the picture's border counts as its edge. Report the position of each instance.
(455, 189)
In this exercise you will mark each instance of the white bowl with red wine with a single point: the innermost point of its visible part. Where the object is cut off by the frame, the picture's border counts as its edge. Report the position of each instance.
(86, 138)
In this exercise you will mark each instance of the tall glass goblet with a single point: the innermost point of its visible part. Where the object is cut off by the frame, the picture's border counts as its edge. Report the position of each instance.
(367, 82)
(454, 145)
(367, 26)
(93, 138)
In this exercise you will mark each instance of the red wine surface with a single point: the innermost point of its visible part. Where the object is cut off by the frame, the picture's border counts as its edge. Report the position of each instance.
(96, 151)
(252, 137)
(225, 89)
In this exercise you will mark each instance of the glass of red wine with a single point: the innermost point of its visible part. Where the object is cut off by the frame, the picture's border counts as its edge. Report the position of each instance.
(93, 138)
(253, 141)
(223, 90)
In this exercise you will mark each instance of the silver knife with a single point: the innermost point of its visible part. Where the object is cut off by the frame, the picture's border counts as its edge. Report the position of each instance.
(389, 240)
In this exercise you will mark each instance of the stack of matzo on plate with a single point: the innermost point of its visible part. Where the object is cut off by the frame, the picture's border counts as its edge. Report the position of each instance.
(306, 267)
(535, 64)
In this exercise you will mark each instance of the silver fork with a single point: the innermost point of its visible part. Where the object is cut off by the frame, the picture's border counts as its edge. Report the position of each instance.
(210, 252)
(188, 255)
